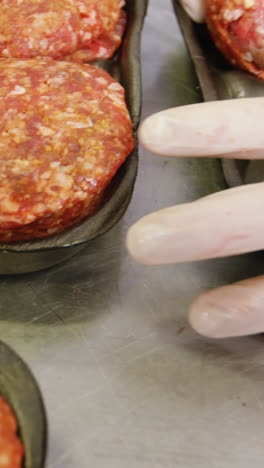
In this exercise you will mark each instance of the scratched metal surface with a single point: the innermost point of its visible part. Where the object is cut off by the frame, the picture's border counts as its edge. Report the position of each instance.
(125, 380)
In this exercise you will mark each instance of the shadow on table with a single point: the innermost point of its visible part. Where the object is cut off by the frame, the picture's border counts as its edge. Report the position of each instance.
(79, 289)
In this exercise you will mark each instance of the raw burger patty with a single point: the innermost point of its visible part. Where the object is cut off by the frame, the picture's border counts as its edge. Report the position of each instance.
(102, 47)
(11, 449)
(64, 132)
(48, 28)
(237, 27)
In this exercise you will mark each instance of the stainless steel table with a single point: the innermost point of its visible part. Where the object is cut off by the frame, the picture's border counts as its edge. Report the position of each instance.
(126, 382)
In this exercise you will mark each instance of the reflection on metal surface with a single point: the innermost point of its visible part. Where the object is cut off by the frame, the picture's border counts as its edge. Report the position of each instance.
(125, 380)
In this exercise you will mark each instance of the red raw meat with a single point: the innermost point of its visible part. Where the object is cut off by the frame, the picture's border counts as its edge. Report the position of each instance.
(237, 27)
(57, 29)
(65, 130)
(11, 449)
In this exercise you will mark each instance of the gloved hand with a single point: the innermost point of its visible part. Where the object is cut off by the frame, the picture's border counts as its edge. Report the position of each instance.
(195, 9)
(225, 223)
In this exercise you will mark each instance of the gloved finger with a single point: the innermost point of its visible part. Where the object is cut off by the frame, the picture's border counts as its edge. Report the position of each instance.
(225, 223)
(195, 9)
(234, 310)
(231, 128)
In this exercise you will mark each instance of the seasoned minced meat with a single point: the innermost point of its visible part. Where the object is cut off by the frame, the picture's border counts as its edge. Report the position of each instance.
(48, 28)
(103, 46)
(237, 27)
(64, 132)
(11, 449)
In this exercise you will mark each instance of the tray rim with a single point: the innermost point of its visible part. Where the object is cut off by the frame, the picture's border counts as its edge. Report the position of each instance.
(231, 168)
(34, 442)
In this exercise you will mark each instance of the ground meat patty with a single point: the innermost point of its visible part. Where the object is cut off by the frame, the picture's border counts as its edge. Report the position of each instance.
(103, 46)
(48, 28)
(64, 132)
(8, 422)
(11, 449)
(97, 17)
(237, 27)
(42, 27)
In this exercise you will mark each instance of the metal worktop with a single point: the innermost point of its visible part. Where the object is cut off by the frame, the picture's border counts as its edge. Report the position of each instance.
(125, 380)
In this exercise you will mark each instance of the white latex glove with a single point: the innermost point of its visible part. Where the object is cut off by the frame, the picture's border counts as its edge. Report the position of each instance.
(222, 224)
(195, 9)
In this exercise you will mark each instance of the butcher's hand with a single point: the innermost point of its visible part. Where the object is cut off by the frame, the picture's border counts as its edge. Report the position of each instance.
(195, 9)
(223, 224)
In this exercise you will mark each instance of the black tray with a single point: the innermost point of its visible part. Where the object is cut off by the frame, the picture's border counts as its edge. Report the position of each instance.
(25, 257)
(218, 80)
(20, 390)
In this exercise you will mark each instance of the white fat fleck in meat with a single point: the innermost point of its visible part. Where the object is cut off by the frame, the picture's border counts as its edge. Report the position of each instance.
(17, 134)
(88, 166)
(17, 91)
(87, 75)
(9, 114)
(67, 169)
(45, 98)
(87, 36)
(44, 44)
(101, 80)
(63, 180)
(9, 206)
(260, 29)
(102, 52)
(249, 4)
(80, 195)
(29, 218)
(22, 162)
(31, 43)
(45, 131)
(39, 208)
(232, 15)
(117, 99)
(115, 87)
(86, 124)
(57, 80)
(45, 175)
(55, 164)
(41, 21)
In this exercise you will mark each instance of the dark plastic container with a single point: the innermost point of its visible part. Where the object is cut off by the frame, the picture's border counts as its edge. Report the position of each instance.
(32, 256)
(19, 388)
(218, 80)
